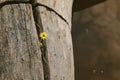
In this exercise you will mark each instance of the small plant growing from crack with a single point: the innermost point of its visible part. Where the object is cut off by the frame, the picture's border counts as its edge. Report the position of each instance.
(43, 37)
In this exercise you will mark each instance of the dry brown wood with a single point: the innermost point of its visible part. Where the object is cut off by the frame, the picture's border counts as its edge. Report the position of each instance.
(20, 55)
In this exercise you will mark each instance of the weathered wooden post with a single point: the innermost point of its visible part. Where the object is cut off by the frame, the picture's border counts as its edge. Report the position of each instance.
(21, 57)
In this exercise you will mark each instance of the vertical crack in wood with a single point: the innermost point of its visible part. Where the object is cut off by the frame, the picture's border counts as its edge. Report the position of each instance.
(39, 28)
(44, 55)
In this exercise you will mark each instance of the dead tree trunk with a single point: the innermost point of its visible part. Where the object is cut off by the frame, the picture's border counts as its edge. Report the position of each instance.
(21, 57)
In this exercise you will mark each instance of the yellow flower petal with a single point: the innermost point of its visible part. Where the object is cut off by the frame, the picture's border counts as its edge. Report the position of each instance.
(43, 35)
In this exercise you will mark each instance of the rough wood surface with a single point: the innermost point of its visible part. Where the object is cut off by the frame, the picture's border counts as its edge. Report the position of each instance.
(20, 55)
(58, 44)
(1, 1)
(62, 7)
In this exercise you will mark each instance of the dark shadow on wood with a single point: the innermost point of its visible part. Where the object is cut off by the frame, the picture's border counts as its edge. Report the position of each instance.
(82, 4)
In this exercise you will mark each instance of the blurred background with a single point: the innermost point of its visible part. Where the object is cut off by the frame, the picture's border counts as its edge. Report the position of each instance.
(96, 41)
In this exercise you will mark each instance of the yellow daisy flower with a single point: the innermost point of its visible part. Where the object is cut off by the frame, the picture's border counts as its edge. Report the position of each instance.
(43, 35)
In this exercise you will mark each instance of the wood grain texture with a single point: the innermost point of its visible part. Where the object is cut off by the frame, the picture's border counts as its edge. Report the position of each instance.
(1, 1)
(59, 45)
(63, 7)
(20, 55)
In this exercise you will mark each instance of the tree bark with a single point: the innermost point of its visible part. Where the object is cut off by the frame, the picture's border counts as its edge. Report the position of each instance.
(21, 56)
